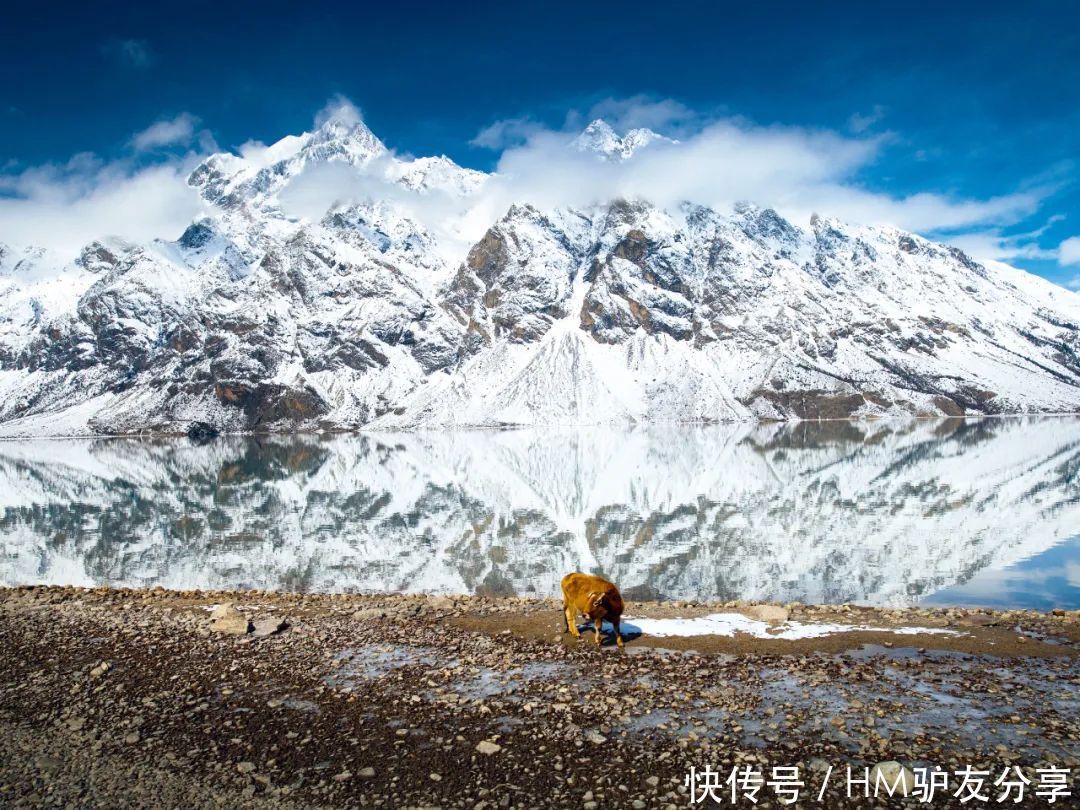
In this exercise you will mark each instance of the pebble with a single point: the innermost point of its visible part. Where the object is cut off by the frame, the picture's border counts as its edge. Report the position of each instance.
(201, 702)
(100, 669)
(48, 764)
(891, 772)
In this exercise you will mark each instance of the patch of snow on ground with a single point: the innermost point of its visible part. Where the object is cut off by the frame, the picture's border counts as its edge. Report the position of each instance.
(728, 624)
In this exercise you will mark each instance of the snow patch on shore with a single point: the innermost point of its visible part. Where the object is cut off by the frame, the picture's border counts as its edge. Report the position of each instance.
(728, 624)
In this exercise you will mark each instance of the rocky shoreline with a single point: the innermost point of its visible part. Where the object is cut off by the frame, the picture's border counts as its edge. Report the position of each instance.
(162, 699)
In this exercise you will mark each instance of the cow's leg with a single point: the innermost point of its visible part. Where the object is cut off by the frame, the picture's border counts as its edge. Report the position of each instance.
(565, 617)
(597, 624)
(615, 626)
(570, 617)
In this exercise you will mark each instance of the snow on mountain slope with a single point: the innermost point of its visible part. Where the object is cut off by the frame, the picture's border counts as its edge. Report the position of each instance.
(691, 315)
(333, 284)
(821, 512)
(600, 138)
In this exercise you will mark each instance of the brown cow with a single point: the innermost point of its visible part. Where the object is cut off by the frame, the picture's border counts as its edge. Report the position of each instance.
(596, 598)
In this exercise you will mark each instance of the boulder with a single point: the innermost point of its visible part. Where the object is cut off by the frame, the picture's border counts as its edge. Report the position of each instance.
(367, 614)
(202, 432)
(229, 620)
(268, 625)
(773, 614)
(979, 620)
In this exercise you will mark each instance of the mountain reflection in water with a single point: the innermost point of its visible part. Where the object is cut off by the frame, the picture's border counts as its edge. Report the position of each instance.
(810, 512)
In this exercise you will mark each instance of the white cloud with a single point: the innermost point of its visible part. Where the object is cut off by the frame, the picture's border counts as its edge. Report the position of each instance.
(507, 132)
(339, 108)
(456, 223)
(796, 170)
(623, 114)
(860, 123)
(1069, 252)
(995, 245)
(717, 162)
(62, 207)
(166, 132)
(671, 116)
(64, 212)
(134, 53)
(1073, 283)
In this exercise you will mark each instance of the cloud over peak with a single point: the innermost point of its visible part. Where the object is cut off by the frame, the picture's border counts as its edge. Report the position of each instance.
(340, 110)
(717, 161)
(177, 131)
(722, 160)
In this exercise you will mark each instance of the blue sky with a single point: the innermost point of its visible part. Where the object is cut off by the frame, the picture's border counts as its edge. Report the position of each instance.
(968, 101)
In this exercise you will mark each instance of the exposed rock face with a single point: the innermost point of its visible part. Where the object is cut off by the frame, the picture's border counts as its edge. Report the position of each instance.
(255, 320)
(628, 311)
(516, 280)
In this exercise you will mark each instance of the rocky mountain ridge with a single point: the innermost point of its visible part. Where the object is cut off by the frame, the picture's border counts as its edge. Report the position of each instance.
(373, 315)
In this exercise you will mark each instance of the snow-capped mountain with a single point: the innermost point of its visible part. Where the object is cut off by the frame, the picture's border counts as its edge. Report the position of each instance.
(818, 512)
(384, 305)
(599, 138)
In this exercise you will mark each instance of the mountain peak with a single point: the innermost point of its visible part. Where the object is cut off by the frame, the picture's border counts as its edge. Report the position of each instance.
(600, 126)
(600, 138)
(271, 315)
(349, 132)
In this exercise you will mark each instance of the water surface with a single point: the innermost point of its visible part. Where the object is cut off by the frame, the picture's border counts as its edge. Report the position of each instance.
(943, 512)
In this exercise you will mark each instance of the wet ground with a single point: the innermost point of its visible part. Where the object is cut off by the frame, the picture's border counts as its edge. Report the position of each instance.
(111, 698)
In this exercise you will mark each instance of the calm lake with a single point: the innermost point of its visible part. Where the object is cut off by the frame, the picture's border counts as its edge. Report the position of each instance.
(982, 512)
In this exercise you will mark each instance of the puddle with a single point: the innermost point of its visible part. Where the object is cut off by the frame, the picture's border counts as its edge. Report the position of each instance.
(867, 651)
(470, 683)
(911, 705)
(912, 694)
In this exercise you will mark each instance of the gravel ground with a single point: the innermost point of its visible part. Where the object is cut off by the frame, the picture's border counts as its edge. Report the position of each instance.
(113, 698)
